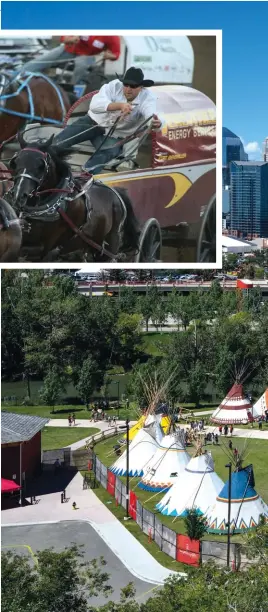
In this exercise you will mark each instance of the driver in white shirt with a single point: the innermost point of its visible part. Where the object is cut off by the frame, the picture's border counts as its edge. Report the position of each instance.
(129, 102)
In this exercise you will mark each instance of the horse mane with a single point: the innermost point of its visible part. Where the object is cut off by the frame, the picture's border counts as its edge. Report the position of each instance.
(58, 156)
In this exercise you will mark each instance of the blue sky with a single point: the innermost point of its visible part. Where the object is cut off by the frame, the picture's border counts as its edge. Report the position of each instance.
(245, 50)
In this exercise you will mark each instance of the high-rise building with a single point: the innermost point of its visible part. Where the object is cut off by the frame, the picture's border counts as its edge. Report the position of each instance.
(265, 150)
(232, 150)
(249, 198)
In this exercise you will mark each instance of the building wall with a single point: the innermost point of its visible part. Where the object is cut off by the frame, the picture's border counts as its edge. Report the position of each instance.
(249, 199)
(31, 459)
(10, 457)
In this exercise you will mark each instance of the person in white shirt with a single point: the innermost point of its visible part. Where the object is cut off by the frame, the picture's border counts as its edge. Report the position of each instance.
(128, 102)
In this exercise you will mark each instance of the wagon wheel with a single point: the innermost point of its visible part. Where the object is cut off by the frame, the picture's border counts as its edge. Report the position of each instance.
(206, 246)
(150, 243)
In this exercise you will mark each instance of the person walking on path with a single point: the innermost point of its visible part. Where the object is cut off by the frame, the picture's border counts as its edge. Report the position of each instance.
(226, 430)
(73, 418)
(70, 419)
(231, 430)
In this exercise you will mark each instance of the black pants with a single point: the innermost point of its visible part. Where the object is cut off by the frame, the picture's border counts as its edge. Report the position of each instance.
(86, 129)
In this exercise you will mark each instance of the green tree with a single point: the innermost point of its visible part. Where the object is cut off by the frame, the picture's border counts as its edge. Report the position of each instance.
(195, 524)
(59, 582)
(90, 379)
(53, 387)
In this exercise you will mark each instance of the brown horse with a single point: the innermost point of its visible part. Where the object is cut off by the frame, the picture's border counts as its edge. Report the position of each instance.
(65, 215)
(46, 104)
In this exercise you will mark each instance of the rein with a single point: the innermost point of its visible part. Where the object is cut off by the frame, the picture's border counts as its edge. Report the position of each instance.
(83, 236)
(25, 85)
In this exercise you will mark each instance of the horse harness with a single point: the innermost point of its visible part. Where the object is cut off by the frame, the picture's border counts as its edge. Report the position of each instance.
(69, 191)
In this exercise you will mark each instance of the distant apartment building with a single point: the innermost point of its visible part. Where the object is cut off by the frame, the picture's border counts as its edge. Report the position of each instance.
(265, 150)
(232, 150)
(249, 199)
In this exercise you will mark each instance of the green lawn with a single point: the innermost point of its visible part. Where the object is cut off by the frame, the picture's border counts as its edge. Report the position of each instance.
(257, 453)
(59, 437)
(154, 343)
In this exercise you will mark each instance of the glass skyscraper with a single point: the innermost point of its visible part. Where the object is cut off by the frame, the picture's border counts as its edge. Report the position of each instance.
(249, 198)
(265, 150)
(232, 150)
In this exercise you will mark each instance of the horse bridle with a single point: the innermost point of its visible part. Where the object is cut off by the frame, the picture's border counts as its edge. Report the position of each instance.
(40, 181)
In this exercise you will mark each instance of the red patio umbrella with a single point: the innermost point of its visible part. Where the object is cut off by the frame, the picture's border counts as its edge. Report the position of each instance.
(8, 486)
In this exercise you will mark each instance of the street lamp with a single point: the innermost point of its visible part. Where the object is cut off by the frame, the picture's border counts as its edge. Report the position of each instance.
(229, 466)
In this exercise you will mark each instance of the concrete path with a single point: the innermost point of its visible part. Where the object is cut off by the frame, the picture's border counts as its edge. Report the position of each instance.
(103, 426)
(89, 508)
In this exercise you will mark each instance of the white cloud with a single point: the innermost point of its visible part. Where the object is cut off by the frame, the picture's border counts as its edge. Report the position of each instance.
(253, 150)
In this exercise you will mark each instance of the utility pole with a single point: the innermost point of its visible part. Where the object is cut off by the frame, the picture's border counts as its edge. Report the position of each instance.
(229, 466)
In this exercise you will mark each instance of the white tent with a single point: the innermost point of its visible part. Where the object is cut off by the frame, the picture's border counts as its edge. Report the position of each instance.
(246, 505)
(196, 487)
(141, 450)
(235, 408)
(169, 460)
(261, 405)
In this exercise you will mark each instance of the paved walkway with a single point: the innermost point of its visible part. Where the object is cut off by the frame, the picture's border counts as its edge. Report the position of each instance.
(103, 426)
(89, 508)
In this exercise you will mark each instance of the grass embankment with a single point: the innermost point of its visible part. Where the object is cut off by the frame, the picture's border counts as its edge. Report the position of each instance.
(59, 437)
(257, 453)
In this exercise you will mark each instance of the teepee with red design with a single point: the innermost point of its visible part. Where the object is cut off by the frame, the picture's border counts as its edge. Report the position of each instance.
(236, 408)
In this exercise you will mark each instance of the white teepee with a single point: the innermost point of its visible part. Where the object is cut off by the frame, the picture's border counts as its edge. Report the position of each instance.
(247, 506)
(235, 408)
(169, 460)
(141, 450)
(196, 487)
(261, 405)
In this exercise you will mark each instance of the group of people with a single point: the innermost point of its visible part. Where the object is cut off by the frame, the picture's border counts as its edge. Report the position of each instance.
(225, 430)
(197, 425)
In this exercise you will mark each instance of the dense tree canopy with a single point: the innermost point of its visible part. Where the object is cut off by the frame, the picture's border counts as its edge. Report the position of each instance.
(47, 325)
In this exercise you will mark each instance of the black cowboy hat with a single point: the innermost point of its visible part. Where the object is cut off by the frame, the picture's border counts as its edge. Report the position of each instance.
(134, 78)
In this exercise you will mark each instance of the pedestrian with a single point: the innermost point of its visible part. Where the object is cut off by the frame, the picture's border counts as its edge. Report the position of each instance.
(82, 49)
(128, 100)
(231, 430)
(230, 445)
(70, 419)
(226, 429)
(260, 424)
(216, 438)
(73, 418)
(109, 421)
(220, 430)
(56, 466)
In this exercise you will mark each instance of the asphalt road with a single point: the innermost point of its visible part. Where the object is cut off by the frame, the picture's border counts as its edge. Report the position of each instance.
(29, 539)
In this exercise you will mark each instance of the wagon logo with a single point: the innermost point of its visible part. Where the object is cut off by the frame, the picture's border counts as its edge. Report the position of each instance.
(181, 184)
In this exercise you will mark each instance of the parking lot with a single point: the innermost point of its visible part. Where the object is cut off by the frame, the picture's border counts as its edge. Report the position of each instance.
(27, 540)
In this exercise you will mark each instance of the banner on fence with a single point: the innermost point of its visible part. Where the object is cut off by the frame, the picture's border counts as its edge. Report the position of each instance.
(111, 482)
(133, 504)
(118, 490)
(139, 512)
(188, 551)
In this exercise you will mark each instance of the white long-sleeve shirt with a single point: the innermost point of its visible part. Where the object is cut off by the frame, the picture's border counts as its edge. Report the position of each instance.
(144, 106)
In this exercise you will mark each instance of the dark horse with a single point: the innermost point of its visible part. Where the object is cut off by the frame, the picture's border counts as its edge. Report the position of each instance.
(10, 229)
(46, 104)
(10, 233)
(64, 214)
